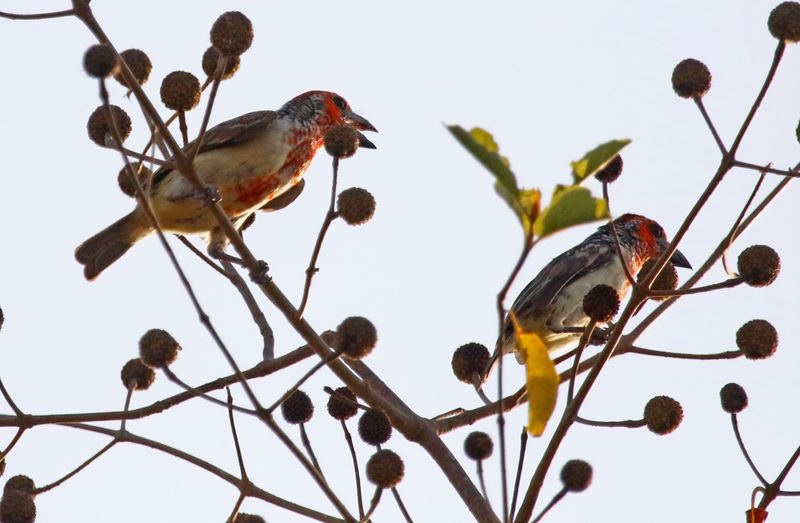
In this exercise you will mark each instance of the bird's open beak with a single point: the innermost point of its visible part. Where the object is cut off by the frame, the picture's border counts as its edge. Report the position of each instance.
(679, 260)
(359, 122)
(363, 142)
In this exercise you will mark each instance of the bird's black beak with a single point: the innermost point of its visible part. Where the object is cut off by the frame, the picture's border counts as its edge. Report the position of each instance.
(364, 143)
(359, 122)
(679, 260)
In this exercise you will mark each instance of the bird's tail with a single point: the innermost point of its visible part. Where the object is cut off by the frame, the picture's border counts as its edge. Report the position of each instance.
(108, 245)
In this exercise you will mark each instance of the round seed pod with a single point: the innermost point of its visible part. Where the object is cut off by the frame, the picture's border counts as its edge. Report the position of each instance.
(297, 408)
(757, 339)
(232, 33)
(17, 507)
(126, 184)
(241, 517)
(139, 64)
(759, 265)
(180, 91)
(355, 205)
(667, 280)
(374, 427)
(211, 59)
(357, 337)
(158, 348)
(385, 469)
(21, 483)
(601, 303)
(478, 446)
(137, 375)
(100, 61)
(611, 171)
(733, 398)
(340, 409)
(663, 415)
(784, 21)
(341, 141)
(100, 130)
(691, 78)
(576, 475)
(469, 359)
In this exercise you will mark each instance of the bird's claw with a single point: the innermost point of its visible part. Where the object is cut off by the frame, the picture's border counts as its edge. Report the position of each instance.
(600, 335)
(210, 196)
(261, 274)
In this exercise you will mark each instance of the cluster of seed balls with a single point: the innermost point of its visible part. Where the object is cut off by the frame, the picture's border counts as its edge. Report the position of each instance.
(231, 35)
(355, 205)
(157, 349)
(355, 338)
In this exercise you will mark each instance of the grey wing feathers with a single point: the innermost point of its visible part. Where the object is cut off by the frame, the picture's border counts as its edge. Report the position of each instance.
(228, 133)
(563, 269)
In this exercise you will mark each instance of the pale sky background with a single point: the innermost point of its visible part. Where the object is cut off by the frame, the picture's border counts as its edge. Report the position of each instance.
(550, 80)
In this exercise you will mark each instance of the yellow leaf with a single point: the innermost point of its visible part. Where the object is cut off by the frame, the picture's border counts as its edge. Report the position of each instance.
(542, 379)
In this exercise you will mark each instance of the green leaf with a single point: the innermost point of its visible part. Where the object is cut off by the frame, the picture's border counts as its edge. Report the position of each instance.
(596, 159)
(571, 205)
(481, 144)
(541, 379)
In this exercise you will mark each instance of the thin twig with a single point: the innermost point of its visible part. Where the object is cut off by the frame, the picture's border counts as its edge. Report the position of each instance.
(617, 244)
(126, 407)
(221, 64)
(200, 254)
(307, 444)
(699, 102)
(481, 480)
(235, 436)
(558, 497)
(175, 379)
(739, 219)
(37, 16)
(138, 156)
(585, 337)
(762, 169)
(12, 443)
(330, 215)
(735, 423)
(318, 365)
(184, 129)
(773, 490)
(373, 504)
(628, 423)
(779, 49)
(236, 507)
(523, 446)
(82, 466)
(401, 505)
(10, 401)
(727, 284)
(727, 355)
(350, 445)
(268, 337)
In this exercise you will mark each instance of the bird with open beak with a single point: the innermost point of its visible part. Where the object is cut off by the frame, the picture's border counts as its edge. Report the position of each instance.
(252, 161)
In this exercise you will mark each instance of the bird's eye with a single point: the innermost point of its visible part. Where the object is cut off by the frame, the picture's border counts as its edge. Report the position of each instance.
(657, 231)
(339, 102)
